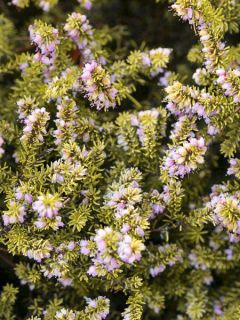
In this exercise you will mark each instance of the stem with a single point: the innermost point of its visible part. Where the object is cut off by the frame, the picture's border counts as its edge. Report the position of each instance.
(135, 102)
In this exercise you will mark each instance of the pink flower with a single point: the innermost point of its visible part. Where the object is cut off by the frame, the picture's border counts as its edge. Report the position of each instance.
(47, 206)
(154, 271)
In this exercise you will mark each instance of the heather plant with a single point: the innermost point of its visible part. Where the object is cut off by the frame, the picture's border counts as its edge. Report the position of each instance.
(120, 160)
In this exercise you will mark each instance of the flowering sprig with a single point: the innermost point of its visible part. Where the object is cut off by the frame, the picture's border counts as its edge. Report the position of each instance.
(46, 39)
(155, 60)
(112, 247)
(66, 121)
(190, 101)
(141, 132)
(230, 83)
(210, 31)
(60, 86)
(15, 214)
(63, 172)
(146, 121)
(167, 256)
(22, 194)
(124, 199)
(97, 308)
(25, 106)
(159, 201)
(112, 250)
(98, 87)
(225, 208)
(185, 100)
(201, 77)
(47, 207)
(58, 265)
(129, 249)
(35, 126)
(65, 314)
(39, 250)
(183, 128)
(234, 168)
(79, 30)
(135, 308)
(183, 159)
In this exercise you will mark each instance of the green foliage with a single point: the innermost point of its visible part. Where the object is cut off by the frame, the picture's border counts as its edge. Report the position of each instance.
(117, 199)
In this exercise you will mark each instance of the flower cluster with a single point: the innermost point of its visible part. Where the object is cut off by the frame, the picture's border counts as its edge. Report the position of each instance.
(159, 201)
(25, 107)
(70, 168)
(65, 314)
(184, 100)
(181, 128)
(169, 255)
(206, 39)
(23, 195)
(18, 205)
(156, 59)
(97, 308)
(181, 160)
(143, 121)
(98, 87)
(124, 199)
(39, 250)
(15, 214)
(66, 121)
(111, 247)
(200, 76)
(47, 207)
(35, 126)
(63, 170)
(79, 30)
(225, 208)
(59, 266)
(230, 83)
(129, 249)
(46, 39)
(234, 168)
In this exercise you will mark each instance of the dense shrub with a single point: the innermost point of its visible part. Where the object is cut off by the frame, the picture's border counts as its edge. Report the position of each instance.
(120, 168)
